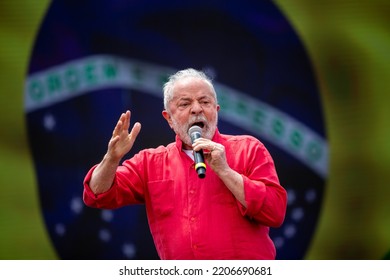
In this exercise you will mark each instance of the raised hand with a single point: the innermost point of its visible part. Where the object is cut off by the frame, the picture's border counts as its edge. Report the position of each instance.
(122, 141)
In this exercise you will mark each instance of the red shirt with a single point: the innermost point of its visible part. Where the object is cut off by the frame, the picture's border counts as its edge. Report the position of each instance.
(192, 218)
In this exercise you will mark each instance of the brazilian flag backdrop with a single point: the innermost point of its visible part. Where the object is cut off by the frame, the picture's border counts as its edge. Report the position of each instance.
(347, 44)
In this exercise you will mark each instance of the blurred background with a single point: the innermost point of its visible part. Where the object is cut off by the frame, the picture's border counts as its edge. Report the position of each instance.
(346, 44)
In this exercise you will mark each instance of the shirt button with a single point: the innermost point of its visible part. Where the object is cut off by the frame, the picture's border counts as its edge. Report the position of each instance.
(191, 192)
(192, 219)
(195, 247)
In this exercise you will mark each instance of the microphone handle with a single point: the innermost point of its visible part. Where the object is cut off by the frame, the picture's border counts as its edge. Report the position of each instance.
(200, 166)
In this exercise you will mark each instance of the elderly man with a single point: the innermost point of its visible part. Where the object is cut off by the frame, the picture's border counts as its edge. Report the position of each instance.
(226, 214)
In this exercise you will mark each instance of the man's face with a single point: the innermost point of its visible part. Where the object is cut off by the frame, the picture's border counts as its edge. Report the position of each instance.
(193, 102)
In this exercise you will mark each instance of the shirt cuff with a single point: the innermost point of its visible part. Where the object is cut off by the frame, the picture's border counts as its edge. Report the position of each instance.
(254, 197)
(94, 200)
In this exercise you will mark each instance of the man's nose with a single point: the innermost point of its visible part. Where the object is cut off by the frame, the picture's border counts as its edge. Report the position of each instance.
(196, 108)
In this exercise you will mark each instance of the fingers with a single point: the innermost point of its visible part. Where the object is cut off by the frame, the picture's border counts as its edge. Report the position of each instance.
(216, 147)
(126, 120)
(199, 144)
(121, 129)
(214, 153)
(135, 131)
(123, 124)
(117, 129)
(208, 145)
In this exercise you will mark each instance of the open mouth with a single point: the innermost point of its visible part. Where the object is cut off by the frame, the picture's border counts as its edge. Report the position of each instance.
(200, 124)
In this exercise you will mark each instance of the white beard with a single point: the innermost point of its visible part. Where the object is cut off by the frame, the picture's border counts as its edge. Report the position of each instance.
(208, 130)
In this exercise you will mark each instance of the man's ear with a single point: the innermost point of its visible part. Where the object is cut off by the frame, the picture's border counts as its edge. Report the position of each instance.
(167, 116)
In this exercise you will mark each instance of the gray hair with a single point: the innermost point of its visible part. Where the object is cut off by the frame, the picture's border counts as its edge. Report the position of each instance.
(182, 74)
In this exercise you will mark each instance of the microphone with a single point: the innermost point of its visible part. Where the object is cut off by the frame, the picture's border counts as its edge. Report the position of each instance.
(195, 132)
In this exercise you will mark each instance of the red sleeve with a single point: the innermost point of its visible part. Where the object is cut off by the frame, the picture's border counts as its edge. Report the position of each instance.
(266, 199)
(124, 190)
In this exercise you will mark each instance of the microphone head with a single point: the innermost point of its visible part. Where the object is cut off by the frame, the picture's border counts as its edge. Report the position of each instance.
(194, 129)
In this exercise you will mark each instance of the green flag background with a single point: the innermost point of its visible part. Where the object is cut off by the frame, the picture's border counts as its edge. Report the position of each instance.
(349, 44)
